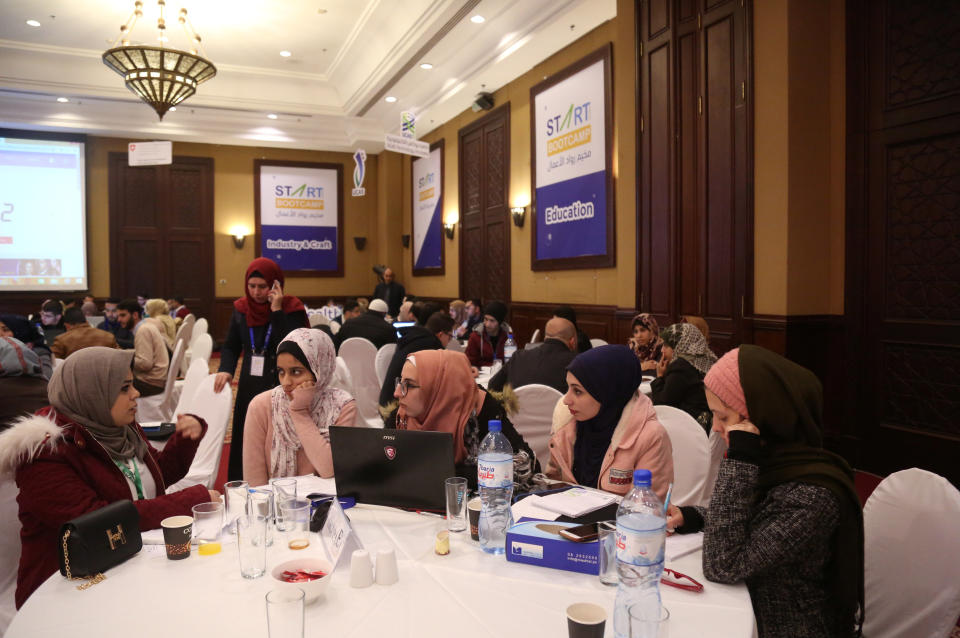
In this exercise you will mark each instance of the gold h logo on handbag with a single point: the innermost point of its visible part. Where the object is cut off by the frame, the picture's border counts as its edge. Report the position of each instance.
(117, 537)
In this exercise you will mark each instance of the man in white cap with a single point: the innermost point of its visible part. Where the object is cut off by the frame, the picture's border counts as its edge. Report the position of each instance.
(370, 326)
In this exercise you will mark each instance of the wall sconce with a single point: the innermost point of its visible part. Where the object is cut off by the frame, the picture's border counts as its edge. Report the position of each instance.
(238, 241)
(518, 213)
(448, 228)
(405, 239)
(239, 235)
(360, 242)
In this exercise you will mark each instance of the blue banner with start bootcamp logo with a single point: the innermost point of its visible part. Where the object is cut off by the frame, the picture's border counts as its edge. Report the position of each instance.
(571, 219)
(300, 247)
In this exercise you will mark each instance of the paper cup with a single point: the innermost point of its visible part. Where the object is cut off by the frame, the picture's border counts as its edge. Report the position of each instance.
(177, 531)
(473, 513)
(585, 620)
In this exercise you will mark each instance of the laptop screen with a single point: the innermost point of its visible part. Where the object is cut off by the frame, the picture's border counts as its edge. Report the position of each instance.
(401, 326)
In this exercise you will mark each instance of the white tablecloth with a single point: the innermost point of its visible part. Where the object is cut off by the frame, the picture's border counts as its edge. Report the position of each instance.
(466, 593)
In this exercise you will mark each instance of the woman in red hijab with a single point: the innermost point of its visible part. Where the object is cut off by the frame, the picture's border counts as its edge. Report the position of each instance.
(260, 321)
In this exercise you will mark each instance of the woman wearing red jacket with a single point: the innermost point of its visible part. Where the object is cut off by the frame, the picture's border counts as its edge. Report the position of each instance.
(86, 451)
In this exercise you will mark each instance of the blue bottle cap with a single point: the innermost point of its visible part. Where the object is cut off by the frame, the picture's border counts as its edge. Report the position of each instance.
(494, 425)
(642, 477)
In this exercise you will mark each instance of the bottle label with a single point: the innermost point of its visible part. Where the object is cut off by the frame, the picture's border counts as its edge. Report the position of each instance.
(639, 548)
(495, 473)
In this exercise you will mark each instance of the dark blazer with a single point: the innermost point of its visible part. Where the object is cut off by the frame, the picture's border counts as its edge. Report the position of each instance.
(369, 326)
(415, 339)
(545, 364)
(392, 293)
(583, 341)
(681, 386)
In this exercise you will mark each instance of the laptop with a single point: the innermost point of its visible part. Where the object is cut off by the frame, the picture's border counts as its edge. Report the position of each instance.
(397, 468)
(401, 328)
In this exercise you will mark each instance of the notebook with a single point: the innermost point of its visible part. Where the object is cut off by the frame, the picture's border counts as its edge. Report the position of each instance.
(397, 468)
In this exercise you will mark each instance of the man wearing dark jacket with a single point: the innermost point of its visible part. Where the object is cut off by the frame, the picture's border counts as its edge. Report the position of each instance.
(487, 339)
(112, 325)
(369, 326)
(568, 313)
(546, 364)
(434, 335)
(391, 292)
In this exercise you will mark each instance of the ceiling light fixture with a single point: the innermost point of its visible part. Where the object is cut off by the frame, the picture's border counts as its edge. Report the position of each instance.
(285, 54)
(426, 66)
(172, 109)
(62, 99)
(478, 19)
(159, 76)
(271, 116)
(390, 99)
(33, 23)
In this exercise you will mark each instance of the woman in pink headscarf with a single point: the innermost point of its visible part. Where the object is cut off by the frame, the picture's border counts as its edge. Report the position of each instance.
(287, 429)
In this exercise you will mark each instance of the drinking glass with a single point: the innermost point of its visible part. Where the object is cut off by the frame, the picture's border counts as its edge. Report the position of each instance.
(260, 503)
(643, 623)
(207, 527)
(283, 489)
(235, 494)
(456, 490)
(285, 612)
(296, 522)
(251, 541)
(607, 549)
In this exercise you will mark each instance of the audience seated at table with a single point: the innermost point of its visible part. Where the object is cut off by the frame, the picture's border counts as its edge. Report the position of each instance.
(261, 319)
(351, 309)
(370, 326)
(86, 451)
(784, 515)
(21, 328)
(472, 316)
(488, 338)
(458, 312)
(568, 313)
(436, 392)
(22, 384)
(50, 319)
(158, 309)
(89, 309)
(646, 342)
(177, 309)
(111, 324)
(434, 335)
(287, 431)
(604, 429)
(152, 357)
(79, 335)
(545, 364)
(685, 360)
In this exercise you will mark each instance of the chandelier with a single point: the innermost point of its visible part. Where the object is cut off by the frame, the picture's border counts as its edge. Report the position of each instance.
(160, 76)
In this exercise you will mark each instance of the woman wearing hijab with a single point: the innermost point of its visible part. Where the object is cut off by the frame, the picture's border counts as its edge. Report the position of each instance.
(261, 319)
(646, 342)
(685, 360)
(22, 386)
(437, 393)
(287, 432)
(20, 328)
(86, 451)
(784, 515)
(158, 310)
(604, 429)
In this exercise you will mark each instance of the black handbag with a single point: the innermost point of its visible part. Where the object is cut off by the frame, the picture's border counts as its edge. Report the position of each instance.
(98, 540)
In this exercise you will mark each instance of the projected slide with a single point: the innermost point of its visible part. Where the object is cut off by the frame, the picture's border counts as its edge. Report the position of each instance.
(42, 215)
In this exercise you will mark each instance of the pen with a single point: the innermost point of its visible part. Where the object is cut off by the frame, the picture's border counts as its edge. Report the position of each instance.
(666, 503)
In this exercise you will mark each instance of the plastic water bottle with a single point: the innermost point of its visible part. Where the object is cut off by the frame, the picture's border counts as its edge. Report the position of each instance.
(509, 347)
(641, 535)
(495, 480)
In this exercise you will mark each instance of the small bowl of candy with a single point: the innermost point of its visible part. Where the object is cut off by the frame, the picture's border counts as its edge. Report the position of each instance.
(309, 574)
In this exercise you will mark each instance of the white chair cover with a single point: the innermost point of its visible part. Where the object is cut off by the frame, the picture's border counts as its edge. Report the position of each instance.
(456, 345)
(57, 361)
(95, 321)
(691, 454)
(912, 556)
(382, 362)
(535, 403)
(9, 550)
(199, 328)
(536, 335)
(334, 327)
(597, 342)
(160, 407)
(360, 356)
(185, 334)
(317, 319)
(213, 408)
(718, 449)
(202, 348)
(341, 378)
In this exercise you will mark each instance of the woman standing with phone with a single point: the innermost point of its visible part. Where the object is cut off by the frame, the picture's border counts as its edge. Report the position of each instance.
(261, 319)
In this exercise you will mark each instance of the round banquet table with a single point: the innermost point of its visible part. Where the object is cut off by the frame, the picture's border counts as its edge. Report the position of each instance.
(466, 593)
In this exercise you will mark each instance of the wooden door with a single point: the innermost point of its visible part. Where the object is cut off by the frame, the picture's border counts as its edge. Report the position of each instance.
(161, 231)
(903, 233)
(484, 150)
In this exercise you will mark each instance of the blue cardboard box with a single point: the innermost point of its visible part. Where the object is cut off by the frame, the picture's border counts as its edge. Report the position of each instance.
(537, 543)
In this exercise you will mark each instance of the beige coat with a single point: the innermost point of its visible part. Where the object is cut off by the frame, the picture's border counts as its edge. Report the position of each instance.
(151, 359)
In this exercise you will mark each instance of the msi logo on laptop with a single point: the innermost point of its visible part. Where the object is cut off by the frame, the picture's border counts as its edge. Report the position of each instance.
(390, 451)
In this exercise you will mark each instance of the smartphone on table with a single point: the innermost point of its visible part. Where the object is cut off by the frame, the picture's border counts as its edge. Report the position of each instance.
(580, 533)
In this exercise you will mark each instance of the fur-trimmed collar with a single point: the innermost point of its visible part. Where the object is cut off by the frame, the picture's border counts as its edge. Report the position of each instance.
(24, 439)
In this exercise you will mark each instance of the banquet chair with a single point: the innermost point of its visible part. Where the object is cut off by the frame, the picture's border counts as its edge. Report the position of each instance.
(456, 345)
(382, 361)
(360, 356)
(334, 327)
(95, 321)
(718, 449)
(214, 408)
(203, 348)
(184, 336)
(911, 556)
(199, 328)
(536, 335)
(317, 319)
(9, 549)
(159, 407)
(341, 378)
(596, 343)
(535, 403)
(691, 454)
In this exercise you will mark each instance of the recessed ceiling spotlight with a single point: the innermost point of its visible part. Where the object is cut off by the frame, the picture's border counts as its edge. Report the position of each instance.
(33, 23)
(478, 19)
(426, 66)
(285, 54)
(390, 99)
(62, 99)
(272, 116)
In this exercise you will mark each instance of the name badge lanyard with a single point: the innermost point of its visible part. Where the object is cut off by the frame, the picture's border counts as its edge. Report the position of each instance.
(133, 476)
(257, 360)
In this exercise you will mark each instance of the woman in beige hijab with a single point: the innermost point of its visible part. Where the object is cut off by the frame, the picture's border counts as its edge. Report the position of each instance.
(158, 310)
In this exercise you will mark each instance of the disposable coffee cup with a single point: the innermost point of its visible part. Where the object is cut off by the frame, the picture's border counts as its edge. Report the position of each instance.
(585, 620)
(177, 531)
(473, 512)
